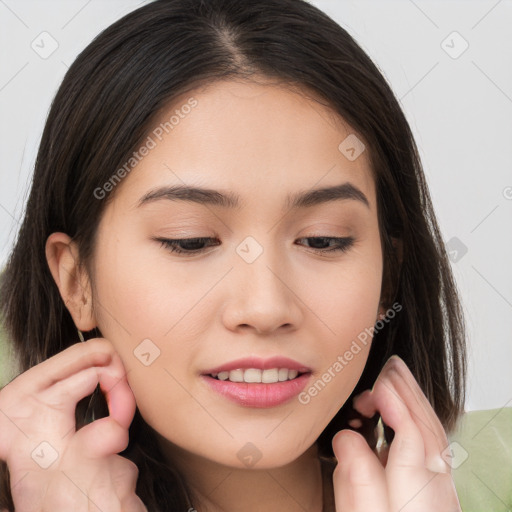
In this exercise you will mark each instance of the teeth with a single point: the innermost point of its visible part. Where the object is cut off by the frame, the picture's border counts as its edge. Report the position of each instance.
(253, 375)
(270, 376)
(283, 374)
(236, 375)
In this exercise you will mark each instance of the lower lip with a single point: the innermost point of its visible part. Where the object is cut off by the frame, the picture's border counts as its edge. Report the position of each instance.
(258, 394)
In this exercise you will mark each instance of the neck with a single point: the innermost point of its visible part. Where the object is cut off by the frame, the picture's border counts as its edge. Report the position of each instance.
(295, 487)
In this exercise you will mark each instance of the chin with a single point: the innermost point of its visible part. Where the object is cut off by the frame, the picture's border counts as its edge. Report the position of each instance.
(261, 453)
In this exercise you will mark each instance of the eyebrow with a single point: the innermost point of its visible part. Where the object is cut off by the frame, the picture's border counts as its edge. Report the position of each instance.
(207, 196)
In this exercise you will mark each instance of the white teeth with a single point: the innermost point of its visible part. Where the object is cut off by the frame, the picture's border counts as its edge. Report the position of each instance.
(270, 376)
(292, 374)
(283, 374)
(236, 375)
(254, 375)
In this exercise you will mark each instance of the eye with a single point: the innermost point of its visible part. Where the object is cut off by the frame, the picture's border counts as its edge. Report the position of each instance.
(338, 244)
(185, 245)
(192, 246)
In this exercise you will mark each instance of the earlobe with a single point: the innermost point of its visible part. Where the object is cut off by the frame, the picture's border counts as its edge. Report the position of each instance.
(71, 279)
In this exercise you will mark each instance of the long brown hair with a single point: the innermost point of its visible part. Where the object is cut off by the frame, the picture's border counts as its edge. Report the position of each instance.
(104, 107)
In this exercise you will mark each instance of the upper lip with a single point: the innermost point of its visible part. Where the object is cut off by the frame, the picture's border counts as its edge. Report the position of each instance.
(262, 364)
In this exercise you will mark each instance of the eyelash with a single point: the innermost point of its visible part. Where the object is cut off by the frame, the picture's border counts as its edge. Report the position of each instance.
(343, 244)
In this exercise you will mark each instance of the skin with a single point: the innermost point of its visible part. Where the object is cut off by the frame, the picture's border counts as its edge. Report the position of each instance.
(261, 142)
(51, 465)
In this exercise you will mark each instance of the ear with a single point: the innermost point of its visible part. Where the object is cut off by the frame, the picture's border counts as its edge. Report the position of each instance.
(71, 279)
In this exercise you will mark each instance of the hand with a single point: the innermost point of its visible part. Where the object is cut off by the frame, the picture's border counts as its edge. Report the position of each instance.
(411, 475)
(38, 407)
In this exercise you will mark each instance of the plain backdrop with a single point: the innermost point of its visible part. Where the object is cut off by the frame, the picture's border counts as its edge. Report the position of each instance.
(450, 65)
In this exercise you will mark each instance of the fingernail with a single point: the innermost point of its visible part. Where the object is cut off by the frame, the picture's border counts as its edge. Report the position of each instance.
(395, 362)
(397, 358)
(355, 423)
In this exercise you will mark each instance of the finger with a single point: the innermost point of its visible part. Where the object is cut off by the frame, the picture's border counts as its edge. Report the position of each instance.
(358, 479)
(110, 435)
(422, 413)
(407, 448)
(65, 394)
(124, 478)
(42, 377)
(37, 417)
(119, 396)
(101, 438)
(397, 377)
(409, 480)
(77, 357)
(124, 474)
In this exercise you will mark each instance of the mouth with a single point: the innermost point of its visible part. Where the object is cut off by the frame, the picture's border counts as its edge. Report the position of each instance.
(258, 383)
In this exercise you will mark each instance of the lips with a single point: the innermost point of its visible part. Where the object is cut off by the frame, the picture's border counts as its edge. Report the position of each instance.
(254, 382)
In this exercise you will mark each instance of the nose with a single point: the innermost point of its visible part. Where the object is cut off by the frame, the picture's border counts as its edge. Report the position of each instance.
(263, 297)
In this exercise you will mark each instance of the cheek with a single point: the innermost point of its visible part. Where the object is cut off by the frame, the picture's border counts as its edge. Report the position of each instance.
(348, 298)
(136, 294)
(348, 311)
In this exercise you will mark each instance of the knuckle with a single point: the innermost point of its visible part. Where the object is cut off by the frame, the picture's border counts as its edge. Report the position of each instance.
(125, 469)
(131, 468)
(118, 434)
(98, 348)
(101, 344)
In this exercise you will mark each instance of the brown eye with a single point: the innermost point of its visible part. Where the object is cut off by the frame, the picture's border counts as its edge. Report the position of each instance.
(329, 244)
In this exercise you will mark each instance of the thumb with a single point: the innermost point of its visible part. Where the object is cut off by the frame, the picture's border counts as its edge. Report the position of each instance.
(101, 438)
(358, 479)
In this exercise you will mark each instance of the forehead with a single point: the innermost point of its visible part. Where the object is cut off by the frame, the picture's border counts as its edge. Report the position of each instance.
(245, 135)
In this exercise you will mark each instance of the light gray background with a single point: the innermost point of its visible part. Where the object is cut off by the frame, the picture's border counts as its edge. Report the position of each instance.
(459, 106)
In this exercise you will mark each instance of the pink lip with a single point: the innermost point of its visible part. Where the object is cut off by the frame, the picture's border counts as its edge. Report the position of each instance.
(261, 364)
(259, 394)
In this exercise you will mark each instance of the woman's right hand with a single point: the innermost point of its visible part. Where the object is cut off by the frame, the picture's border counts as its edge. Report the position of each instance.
(52, 466)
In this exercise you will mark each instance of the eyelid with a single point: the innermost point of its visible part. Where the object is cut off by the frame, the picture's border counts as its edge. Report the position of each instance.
(343, 244)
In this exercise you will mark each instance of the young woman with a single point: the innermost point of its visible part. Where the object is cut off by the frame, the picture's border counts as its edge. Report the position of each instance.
(229, 204)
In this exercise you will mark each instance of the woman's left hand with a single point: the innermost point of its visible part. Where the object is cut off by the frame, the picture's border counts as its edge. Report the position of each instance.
(412, 475)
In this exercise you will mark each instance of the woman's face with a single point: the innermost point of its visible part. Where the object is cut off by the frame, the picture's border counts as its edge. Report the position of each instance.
(265, 288)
